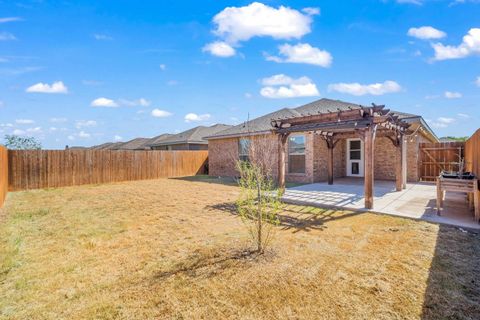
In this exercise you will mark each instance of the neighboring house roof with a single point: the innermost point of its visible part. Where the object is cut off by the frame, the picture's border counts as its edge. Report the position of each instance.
(76, 148)
(107, 146)
(192, 136)
(263, 124)
(134, 144)
(158, 139)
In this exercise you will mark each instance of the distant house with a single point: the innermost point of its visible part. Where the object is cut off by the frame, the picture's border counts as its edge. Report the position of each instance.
(107, 146)
(157, 140)
(192, 139)
(134, 144)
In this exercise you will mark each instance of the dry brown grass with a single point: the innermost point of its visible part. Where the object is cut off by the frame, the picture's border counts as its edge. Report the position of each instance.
(176, 249)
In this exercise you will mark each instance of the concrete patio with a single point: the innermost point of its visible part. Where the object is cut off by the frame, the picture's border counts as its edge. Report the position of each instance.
(417, 201)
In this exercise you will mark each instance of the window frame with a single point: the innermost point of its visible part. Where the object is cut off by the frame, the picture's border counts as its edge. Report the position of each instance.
(244, 156)
(296, 153)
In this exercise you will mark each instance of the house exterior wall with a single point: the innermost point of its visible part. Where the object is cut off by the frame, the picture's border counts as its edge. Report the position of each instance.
(223, 154)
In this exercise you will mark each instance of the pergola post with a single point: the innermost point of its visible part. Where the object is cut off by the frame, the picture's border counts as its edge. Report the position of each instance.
(403, 141)
(369, 141)
(281, 161)
(399, 164)
(330, 146)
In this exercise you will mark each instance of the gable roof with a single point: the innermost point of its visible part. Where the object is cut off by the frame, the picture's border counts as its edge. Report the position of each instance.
(255, 126)
(262, 124)
(195, 135)
(106, 146)
(134, 144)
(158, 139)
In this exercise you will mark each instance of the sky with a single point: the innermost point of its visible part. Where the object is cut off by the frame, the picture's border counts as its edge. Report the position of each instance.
(81, 73)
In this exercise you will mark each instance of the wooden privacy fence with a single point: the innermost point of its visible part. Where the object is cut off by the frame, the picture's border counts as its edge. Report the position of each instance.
(472, 154)
(33, 169)
(3, 174)
(436, 157)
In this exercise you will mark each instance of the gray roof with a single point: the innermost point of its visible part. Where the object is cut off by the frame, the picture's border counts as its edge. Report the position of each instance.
(106, 145)
(158, 139)
(195, 135)
(263, 123)
(134, 144)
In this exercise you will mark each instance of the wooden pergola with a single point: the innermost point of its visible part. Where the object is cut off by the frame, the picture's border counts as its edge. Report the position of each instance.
(366, 123)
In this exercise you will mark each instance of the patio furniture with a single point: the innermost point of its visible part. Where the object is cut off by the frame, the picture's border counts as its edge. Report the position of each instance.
(449, 182)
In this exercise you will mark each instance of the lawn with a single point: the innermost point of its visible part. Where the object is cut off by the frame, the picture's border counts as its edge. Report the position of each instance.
(175, 248)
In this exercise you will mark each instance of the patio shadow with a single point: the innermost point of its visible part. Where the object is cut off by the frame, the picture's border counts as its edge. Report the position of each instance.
(453, 288)
(297, 218)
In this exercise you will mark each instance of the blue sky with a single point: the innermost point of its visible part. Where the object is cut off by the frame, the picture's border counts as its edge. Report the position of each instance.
(87, 72)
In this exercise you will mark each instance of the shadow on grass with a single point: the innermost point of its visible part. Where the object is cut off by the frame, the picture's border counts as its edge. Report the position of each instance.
(207, 263)
(453, 288)
(295, 217)
(229, 181)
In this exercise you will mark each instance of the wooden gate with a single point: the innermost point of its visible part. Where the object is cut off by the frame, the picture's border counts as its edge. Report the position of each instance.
(436, 157)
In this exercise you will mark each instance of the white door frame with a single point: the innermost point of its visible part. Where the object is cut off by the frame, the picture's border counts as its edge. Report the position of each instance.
(361, 161)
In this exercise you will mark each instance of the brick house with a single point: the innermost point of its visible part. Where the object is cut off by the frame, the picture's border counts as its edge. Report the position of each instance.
(306, 153)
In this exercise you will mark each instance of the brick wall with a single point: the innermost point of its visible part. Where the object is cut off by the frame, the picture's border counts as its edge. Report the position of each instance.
(223, 153)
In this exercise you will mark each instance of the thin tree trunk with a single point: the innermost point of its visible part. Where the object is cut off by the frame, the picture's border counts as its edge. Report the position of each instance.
(259, 217)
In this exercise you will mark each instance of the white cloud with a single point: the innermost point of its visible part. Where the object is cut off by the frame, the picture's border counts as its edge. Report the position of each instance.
(10, 19)
(236, 24)
(2, 103)
(85, 123)
(302, 53)
(463, 115)
(477, 82)
(24, 121)
(163, 67)
(56, 87)
(358, 89)
(132, 103)
(157, 113)
(452, 95)
(104, 102)
(311, 11)
(193, 117)
(172, 82)
(100, 36)
(117, 138)
(426, 32)
(71, 137)
(34, 130)
(441, 122)
(18, 132)
(470, 46)
(281, 86)
(6, 36)
(84, 135)
(58, 120)
(248, 95)
(219, 49)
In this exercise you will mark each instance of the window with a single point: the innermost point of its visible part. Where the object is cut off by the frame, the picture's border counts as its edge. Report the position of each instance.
(296, 154)
(243, 149)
